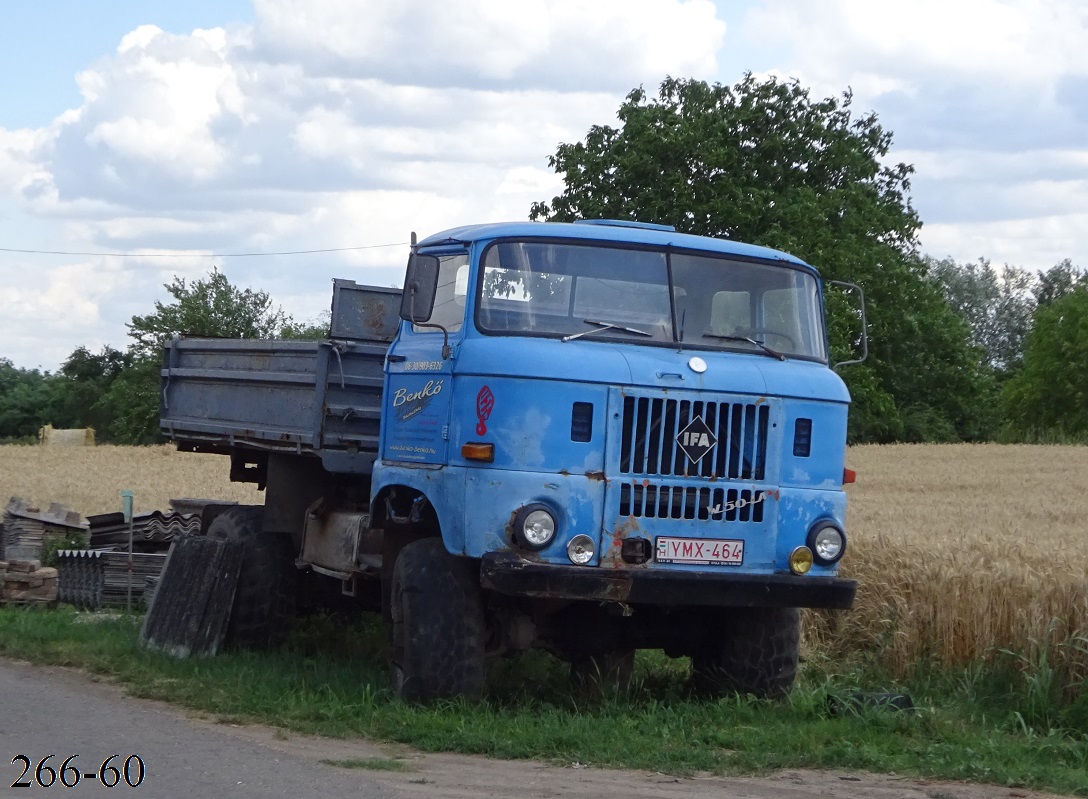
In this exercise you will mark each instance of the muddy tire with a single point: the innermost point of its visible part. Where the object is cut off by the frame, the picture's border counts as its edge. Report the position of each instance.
(603, 674)
(264, 600)
(756, 653)
(439, 632)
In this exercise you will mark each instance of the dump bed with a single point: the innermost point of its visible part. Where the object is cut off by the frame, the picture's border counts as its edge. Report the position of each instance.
(318, 398)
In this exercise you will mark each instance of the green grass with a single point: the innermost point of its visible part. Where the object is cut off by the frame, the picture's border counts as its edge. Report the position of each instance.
(331, 680)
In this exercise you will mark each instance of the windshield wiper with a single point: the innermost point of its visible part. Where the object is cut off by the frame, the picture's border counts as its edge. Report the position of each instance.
(601, 326)
(772, 352)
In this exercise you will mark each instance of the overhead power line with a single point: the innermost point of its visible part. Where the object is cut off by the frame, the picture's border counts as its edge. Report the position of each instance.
(199, 255)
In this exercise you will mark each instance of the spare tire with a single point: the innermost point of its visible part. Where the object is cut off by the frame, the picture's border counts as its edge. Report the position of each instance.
(264, 600)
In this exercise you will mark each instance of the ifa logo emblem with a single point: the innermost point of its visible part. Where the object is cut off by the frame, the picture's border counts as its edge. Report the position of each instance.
(696, 439)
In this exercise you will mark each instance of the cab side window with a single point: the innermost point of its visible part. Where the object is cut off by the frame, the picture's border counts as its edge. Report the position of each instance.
(449, 299)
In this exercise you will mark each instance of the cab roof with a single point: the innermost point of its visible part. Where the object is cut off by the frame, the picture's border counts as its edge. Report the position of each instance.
(617, 231)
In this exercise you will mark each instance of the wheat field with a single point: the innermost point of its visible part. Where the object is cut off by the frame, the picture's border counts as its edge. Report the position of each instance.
(959, 549)
(89, 479)
(964, 549)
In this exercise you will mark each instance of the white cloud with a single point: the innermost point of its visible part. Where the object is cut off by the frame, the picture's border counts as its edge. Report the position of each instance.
(993, 43)
(566, 44)
(325, 124)
(986, 98)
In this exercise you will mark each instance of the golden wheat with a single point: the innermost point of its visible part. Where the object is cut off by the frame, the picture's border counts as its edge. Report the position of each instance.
(89, 479)
(958, 549)
(961, 550)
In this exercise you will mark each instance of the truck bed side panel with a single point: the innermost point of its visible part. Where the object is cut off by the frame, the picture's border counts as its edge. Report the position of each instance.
(308, 397)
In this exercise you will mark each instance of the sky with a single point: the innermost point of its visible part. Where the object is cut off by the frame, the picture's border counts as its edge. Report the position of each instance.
(153, 140)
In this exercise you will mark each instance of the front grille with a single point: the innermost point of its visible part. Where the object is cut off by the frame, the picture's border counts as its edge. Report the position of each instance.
(691, 502)
(651, 427)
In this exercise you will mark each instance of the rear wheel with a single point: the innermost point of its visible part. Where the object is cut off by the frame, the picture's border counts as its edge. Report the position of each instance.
(264, 600)
(755, 653)
(439, 632)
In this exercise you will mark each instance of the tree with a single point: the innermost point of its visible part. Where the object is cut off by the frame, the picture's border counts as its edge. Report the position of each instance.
(82, 383)
(1058, 281)
(762, 162)
(1050, 394)
(210, 306)
(997, 306)
(27, 401)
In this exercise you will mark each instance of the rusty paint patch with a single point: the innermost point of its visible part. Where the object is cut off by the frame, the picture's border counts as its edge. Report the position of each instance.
(597, 477)
(375, 318)
(612, 558)
(510, 526)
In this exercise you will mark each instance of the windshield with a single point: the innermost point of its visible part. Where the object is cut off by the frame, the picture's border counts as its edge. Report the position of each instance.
(593, 292)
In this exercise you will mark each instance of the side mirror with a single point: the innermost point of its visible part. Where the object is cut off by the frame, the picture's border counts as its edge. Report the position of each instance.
(863, 338)
(420, 287)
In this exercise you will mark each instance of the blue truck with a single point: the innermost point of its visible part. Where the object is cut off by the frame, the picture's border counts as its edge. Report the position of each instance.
(590, 438)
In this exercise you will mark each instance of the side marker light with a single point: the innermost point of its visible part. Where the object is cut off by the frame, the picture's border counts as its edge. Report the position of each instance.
(476, 451)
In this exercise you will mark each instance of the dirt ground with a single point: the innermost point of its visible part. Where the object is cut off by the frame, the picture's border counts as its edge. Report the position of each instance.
(446, 776)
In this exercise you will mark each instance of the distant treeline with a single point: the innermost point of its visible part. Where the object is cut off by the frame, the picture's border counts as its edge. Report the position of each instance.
(1027, 334)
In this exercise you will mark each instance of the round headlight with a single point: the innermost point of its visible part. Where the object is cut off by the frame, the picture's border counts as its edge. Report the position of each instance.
(827, 542)
(581, 549)
(534, 527)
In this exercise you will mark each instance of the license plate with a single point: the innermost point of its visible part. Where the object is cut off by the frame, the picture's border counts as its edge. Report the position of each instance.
(699, 551)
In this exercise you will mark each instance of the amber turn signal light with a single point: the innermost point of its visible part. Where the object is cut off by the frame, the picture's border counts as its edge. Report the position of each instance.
(475, 451)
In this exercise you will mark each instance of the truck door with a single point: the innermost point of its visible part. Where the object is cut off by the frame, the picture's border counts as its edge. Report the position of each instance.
(420, 368)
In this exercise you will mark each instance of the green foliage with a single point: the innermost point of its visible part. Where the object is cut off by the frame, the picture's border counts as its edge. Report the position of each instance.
(1051, 391)
(27, 401)
(211, 306)
(764, 163)
(996, 304)
(132, 400)
(51, 544)
(1058, 281)
(73, 397)
(313, 330)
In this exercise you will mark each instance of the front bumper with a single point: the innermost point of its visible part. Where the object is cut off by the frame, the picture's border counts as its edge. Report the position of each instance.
(509, 573)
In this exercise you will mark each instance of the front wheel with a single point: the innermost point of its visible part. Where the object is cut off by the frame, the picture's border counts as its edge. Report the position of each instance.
(755, 652)
(439, 632)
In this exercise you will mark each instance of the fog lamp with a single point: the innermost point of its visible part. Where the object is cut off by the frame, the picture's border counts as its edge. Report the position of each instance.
(827, 542)
(801, 560)
(534, 526)
(581, 549)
